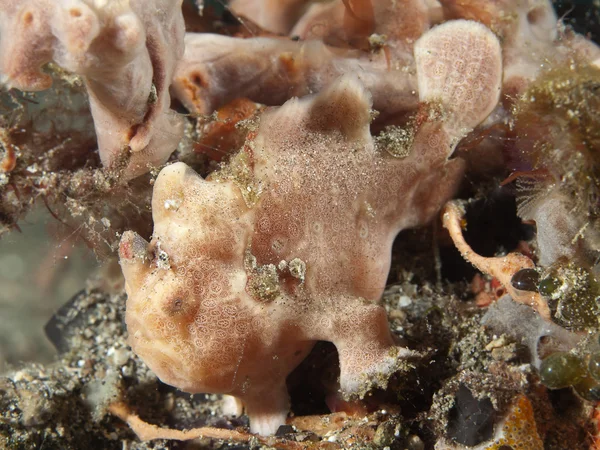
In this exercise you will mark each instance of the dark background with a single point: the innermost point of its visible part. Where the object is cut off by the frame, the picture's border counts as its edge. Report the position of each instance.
(582, 15)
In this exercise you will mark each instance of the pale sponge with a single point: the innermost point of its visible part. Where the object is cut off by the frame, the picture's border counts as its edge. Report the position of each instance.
(288, 244)
(125, 51)
(217, 69)
(467, 86)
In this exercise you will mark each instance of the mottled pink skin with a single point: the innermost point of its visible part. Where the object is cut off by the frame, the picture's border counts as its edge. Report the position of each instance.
(126, 53)
(290, 243)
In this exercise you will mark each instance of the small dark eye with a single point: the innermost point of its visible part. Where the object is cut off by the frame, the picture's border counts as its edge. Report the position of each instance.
(174, 306)
(525, 280)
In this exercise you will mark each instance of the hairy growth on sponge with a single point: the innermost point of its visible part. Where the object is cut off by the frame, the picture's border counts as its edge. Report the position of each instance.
(234, 290)
(558, 183)
(126, 53)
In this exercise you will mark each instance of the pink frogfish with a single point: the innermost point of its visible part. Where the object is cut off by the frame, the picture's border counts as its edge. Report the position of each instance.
(289, 243)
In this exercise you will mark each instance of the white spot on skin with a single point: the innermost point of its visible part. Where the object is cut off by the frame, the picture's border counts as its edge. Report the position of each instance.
(172, 204)
(162, 258)
(277, 245)
(298, 268)
(363, 231)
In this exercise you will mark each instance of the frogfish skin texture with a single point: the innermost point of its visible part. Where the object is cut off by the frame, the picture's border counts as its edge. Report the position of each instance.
(289, 243)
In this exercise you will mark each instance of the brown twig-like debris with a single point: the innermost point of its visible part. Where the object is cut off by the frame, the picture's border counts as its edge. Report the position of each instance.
(147, 432)
(501, 267)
